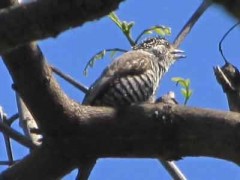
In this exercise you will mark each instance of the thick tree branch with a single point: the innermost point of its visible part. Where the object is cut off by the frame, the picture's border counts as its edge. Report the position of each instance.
(42, 95)
(46, 164)
(148, 130)
(47, 18)
(172, 131)
(233, 6)
(21, 24)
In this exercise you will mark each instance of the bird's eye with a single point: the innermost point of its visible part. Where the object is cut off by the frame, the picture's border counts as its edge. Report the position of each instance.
(167, 44)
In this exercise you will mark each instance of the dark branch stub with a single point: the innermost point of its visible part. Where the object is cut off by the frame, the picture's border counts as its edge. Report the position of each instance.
(228, 76)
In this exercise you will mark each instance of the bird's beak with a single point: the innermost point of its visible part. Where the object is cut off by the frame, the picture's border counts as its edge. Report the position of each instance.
(177, 54)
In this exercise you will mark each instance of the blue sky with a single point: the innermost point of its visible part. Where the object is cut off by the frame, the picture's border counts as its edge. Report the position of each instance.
(71, 50)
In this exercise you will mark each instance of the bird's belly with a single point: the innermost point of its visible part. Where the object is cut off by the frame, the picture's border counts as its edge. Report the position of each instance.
(128, 90)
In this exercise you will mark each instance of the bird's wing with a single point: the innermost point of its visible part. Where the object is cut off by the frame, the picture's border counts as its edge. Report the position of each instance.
(130, 63)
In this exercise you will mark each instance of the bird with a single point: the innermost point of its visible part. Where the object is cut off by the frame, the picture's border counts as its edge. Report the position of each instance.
(132, 78)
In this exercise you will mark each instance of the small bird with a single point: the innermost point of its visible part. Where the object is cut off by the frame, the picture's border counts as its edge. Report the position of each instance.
(134, 77)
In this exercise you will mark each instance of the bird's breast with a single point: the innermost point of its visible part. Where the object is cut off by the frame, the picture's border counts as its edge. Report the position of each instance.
(129, 90)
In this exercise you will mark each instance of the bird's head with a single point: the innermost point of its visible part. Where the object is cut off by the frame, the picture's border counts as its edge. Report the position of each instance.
(165, 52)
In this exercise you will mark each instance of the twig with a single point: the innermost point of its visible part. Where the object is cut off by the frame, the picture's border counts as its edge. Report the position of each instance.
(12, 119)
(16, 136)
(70, 80)
(173, 170)
(188, 26)
(224, 36)
(7, 163)
(27, 121)
(3, 118)
(8, 145)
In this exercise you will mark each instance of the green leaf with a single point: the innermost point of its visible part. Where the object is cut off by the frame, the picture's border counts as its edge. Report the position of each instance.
(176, 79)
(124, 26)
(160, 30)
(98, 56)
(113, 53)
(148, 32)
(190, 93)
(91, 62)
(185, 87)
(184, 92)
(130, 25)
(179, 80)
(101, 55)
(115, 19)
(187, 82)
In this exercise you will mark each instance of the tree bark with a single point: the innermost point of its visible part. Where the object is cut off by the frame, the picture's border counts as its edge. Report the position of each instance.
(148, 130)
(20, 24)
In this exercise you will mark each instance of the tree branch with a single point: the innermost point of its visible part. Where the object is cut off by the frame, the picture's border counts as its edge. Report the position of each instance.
(233, 6)
(16, 136)
(228, 77)
(69, 79)
(12, 119)
(41, 93)
(3, 120)
(48, 18)
(148, 130)
(188, 26)
(47, 164)
(27, 122)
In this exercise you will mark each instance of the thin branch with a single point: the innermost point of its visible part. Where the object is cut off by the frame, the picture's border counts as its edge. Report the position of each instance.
(8, 146)
(69, 79)
(3, 118)
(188, 26)
(27, 122)
(85, 170)
(16, 136)
(12, 119)
(173, 170)
(221, 41)
(7, 163)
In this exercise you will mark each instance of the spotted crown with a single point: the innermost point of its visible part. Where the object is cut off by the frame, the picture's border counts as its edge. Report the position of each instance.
(151, 42)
